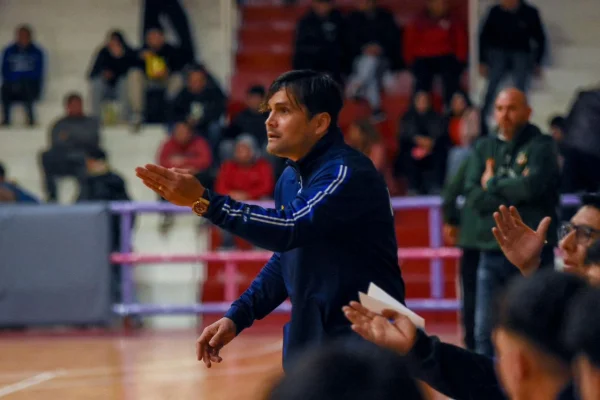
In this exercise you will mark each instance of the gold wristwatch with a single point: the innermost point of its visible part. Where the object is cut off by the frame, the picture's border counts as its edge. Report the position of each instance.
(200, 206)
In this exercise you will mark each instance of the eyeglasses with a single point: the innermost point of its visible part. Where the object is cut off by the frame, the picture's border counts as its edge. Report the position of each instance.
(583, 234)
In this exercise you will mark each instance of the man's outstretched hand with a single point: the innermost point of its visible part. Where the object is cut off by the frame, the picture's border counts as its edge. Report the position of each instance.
(521, 245)
(175, 185)
(391, 329)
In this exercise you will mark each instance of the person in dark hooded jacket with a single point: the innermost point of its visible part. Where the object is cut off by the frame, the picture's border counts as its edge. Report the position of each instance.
(115, 67)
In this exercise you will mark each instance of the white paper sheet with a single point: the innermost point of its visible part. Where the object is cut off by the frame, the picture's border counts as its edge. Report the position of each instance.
(378, 300)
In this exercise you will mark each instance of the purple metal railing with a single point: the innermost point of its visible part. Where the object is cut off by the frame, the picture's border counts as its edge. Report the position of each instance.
(128, 305)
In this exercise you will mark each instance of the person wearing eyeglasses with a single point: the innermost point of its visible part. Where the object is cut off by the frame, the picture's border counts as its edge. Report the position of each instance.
(523, 246)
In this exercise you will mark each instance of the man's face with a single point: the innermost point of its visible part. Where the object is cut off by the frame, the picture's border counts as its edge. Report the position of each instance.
(322, 8)
(196, 81)
(583, 230)
(75, 107)
(437, 8)
(253, 101)
(556, 133)
(290, 132)
(155, 39)
(422, 102)
(243, 153)
(23, 37)
(510, 4)
(588, 379)
(511, 112)
(182, 134)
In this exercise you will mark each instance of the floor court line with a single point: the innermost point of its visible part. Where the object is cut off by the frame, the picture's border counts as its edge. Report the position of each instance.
(29, 382)
(173, 363)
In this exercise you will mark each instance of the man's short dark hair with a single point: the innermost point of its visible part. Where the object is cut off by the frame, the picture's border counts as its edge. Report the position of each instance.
(591, 199)
(347, 371)
(96, 154)
(535, 308)
(558, 121)
(26, 28)
(2, 171)
(73, 96)
(582, 331)
(316, 92)
(257, 90)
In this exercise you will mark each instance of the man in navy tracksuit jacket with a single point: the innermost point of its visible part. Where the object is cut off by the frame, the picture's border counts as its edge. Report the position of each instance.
(331, 231)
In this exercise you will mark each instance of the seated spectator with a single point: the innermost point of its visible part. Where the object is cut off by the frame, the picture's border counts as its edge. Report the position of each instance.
(103, 184)
(115, 76)
(422, 148)
(512, 40)
(557, 126)
(22, 75)
(70, 138)
(251, 120)
(247, 176)
(202, 104)
(319, 40)
(436, 43)
(374, 46)
(10, 192)
(463, 126)
(163, 64)
(187, 151)
(363, 136)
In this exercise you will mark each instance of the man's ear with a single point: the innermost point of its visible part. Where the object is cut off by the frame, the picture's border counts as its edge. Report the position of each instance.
(322, 121)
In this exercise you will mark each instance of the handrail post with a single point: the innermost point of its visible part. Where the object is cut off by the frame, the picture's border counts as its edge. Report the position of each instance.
(126, 269)
(436, 269)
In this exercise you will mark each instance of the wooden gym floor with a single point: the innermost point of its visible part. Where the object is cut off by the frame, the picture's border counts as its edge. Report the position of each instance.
(146, 365)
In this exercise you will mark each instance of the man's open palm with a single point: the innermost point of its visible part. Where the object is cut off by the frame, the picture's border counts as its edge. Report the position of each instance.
(521, 245)
(391, 329)
(175, 185)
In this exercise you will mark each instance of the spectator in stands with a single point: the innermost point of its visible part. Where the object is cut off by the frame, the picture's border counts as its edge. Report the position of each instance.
(582, 143)
(186, 151)
(460, 230)
(103, 184)
(163, 63)
(463, 127)
(23, 67)
(557, 126)
(251, 120)
(202, 104)
(374, 46)
(319, 40)
(582, 333)
(347, 371)
(364, 137)
(512, 39)
(11, 192)
(422, 148)
(116, 75)
(518, 166)
(436, 43)
(70, 139)
(246, 177)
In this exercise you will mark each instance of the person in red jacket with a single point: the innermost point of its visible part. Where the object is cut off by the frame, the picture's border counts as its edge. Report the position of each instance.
(436, 42)
(246, 177)
(185, 150)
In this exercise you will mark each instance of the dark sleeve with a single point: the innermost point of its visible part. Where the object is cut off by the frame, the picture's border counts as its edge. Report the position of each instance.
(484, 36)
(436, 126)
(453, 371)
(266, 292)
(326, 204)
(543, 173)
(98, 64)
(538, 36)
(452, 190)
(213, 109)
(478, 199)
(408, 129)
(179, 108)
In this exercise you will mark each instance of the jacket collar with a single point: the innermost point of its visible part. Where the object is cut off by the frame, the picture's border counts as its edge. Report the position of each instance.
(306, 164)
(523, 135)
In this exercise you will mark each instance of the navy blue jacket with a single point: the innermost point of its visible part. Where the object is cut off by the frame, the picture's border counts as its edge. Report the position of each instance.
(332, 233)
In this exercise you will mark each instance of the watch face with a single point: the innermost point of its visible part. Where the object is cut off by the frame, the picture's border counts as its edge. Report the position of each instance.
(200, 208)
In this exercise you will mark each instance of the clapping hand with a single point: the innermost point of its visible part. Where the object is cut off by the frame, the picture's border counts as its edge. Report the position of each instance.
(521, 245)
(391, 329)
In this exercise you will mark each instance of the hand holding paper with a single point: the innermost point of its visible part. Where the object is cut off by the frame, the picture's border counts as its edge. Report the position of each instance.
(378, 300)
